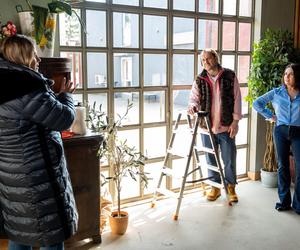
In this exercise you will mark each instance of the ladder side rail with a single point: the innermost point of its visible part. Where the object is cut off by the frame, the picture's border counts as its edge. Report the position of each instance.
(213, 143)
(166, 159)
(187, 167)
(191, 126)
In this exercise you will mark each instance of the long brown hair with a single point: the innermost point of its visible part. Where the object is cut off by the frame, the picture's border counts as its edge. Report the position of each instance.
(18, 49)
(296, 70)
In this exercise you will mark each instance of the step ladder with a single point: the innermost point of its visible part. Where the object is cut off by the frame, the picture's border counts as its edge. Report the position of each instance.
(193, 151)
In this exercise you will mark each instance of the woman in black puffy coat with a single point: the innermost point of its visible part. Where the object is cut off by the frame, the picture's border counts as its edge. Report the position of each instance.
(37, 206)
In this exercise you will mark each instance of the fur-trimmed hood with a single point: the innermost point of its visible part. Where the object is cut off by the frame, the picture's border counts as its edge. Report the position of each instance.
(18, 80)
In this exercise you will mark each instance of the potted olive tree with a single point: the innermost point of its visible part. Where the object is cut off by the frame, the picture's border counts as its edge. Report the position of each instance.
(269, 58)
(124, 160)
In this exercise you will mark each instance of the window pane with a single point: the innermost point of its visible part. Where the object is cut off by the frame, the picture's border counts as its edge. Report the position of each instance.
(244, 93)
(131, 137)
(180, 102)
(229, 7)
(155, 147)
(132, 187)
(126, 70)
(244, 36)
(246, 8)
(228, 36)
(209, 6)
(228, 61)
(241, 137)
(241, 158)
(69, 29)
(76, 72)
(183, 69)
(154, 170)
(243, 68)
(100, 99)
(200, 67)
(96, 28)
(155, 68)
(120, 104)
(98, 1)
(183, 33)
(154, 106)
(208, 34)
(188, 5)
(77, 98)
(155, 32)
(156, 3)
(126, 30)
(127, 2)
(96, 70)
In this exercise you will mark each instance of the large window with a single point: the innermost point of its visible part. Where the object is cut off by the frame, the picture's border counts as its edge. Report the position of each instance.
(148, 52)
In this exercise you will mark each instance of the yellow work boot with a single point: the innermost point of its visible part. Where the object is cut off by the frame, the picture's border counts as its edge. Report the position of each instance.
(231, 192)
(213, 194)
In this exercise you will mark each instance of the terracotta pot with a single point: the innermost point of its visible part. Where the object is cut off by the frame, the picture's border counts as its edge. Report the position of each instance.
(56, 68)
(118, 225)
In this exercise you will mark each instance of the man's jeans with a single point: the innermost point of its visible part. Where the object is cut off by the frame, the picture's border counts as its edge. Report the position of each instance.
(286, 137)
(15, 246)
(228, 154)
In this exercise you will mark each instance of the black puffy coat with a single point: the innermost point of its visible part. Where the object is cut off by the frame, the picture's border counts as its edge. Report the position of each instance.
(37, 204)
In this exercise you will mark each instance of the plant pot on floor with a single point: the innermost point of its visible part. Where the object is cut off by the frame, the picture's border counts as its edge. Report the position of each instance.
(118, 224)
(269, 179)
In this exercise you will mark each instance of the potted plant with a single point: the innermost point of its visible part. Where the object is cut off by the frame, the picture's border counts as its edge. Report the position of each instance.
(123, 159)
(269, 58)
(40, 23)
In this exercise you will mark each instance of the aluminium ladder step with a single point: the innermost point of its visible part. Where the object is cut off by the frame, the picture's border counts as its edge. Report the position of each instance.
(213, 183)
(208, 166)
(177, 153)
(167, 193)
(204, 149)
(170, 172)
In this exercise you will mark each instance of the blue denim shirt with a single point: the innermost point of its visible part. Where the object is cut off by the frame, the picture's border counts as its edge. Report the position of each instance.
(286, 110)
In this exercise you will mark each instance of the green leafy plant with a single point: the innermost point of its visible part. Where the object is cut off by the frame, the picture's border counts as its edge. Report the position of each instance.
(124, 160)
(269, 58)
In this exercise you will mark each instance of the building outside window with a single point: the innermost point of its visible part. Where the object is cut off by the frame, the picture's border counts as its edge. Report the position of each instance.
(148, 52)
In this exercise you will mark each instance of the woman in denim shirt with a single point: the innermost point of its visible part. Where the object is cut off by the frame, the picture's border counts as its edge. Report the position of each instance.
(286, 103)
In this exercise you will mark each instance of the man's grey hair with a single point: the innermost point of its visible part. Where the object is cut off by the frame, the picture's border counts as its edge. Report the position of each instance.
(212, 52)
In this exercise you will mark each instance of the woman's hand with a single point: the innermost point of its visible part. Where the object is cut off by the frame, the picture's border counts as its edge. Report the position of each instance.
(272, 119)
(67, 86)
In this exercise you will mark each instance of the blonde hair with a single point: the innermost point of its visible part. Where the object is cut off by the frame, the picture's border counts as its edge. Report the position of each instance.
(212, 52)
(18, 49)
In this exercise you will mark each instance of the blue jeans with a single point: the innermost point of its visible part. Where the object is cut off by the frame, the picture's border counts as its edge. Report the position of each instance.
(228, 155)
(15, 246)
(286, 137)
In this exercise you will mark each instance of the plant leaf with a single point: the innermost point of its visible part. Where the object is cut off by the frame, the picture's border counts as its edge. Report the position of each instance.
(39, 17)
(59, 7)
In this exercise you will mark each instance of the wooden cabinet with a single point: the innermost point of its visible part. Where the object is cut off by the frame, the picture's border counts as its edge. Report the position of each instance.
(83, 166)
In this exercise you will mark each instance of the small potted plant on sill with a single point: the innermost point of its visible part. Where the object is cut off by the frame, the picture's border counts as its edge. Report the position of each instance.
(40, 23)
(270, 57)
(123, 159)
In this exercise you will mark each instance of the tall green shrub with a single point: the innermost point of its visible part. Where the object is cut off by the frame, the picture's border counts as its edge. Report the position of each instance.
(269, 58)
